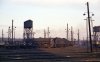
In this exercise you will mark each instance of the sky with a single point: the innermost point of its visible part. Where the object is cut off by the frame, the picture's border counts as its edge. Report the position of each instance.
(54, 14)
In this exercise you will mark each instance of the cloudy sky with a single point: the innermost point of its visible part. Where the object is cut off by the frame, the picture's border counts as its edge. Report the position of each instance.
(47, 13)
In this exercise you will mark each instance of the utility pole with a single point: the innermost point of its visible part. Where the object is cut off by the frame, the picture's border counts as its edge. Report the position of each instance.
(78, 36)
(67, 31)
(44, 33)
(14, 34)
(2, 35)
(9, 34)
(89, 27)
(71, 33)
(12, 31)
(48, 32)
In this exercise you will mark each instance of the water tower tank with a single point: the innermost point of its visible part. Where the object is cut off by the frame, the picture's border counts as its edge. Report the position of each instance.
(28, 24)
(28, 29)
(96, 29)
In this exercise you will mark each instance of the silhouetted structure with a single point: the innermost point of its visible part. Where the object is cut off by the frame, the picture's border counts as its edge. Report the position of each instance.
(89, 25)
(28, 32)
(28, 28)
(71, 33)
(44, 33)
(48, 33)
(78, 34)
(2, 35)
(96, 30)
(67, 31)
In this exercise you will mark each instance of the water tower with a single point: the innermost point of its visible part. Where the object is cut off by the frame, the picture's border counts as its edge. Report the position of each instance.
(96, 30)
(28, 30)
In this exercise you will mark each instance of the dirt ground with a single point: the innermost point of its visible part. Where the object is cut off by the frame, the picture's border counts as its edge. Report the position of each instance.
(68, 50)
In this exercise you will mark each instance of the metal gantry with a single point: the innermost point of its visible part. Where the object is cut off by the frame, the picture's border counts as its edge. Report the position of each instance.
(11, 34)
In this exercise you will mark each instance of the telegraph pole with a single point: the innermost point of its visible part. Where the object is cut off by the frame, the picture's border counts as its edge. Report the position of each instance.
(67, 31)
(89, 27)
(48, 32)
(78, 36)
(71, 33)
(2, 35)
(12, 31)
(9, 34)
(44, 33)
